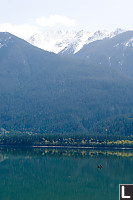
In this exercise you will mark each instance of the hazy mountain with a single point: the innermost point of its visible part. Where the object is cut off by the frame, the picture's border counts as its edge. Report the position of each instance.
(67, 42)
(116, 52)
(113, 49)
(20, 61)
(45, 92)
(56, 41)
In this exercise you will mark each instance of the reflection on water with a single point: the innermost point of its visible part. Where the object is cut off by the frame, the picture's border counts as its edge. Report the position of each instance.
(63, 174)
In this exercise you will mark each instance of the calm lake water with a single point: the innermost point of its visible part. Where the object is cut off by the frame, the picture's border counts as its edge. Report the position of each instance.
(63, 174)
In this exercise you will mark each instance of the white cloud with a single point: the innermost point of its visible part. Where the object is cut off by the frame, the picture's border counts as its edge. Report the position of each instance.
(27, 29)
(23, 30)
(54, 20)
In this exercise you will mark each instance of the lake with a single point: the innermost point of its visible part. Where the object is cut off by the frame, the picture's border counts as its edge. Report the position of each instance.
(63, 174)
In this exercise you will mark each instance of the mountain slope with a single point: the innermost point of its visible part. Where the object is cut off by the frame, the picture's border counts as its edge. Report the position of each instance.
(45, 92)
(19, 61)
(116, 52)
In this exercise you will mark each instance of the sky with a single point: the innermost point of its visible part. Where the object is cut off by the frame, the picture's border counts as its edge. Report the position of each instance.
(27, 17)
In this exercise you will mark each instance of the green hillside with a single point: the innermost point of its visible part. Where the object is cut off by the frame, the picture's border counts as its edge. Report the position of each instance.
(47, 93)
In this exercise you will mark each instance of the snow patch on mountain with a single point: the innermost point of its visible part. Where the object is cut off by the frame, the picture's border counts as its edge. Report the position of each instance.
(129, 43)
(4, 41)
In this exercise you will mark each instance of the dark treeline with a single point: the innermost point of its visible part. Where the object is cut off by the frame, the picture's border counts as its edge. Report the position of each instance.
(26, 139)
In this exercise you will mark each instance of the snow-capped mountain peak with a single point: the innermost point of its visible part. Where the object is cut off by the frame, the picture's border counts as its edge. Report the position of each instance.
(53, 41)
(68, 42)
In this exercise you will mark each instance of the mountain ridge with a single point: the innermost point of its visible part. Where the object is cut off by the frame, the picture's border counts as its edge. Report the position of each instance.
(68, 41)
(116, 52)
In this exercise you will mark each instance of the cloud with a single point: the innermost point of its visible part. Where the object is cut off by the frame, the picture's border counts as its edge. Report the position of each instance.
(23, 30)
(54, 20)
(32, 27)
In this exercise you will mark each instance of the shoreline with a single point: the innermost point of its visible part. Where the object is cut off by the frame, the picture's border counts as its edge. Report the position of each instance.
(68, 147)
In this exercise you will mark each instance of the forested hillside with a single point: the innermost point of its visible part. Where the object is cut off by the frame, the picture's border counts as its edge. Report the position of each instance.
(47, 93)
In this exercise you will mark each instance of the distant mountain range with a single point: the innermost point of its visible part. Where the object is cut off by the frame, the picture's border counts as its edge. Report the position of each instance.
(68, 42)
(44, 92)
(113, 49)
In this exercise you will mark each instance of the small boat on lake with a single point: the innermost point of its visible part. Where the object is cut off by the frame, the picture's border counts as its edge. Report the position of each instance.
(100, 166)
